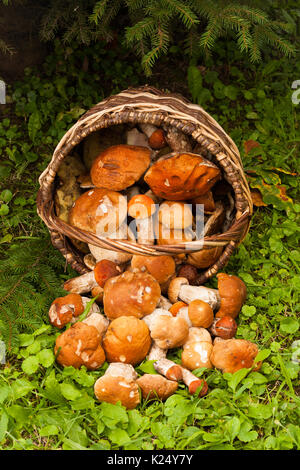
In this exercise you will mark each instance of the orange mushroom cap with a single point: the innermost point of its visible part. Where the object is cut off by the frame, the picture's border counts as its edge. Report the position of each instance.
(230, 355)
(120, 166)
(157, 139)
(127, 340)
(160, 267)
(233, 293)
(80, 345)
(133, 294)
(104, 270)
(200, 313)
(181, 176)
(64, 309)
(141, 206)
(156, 386)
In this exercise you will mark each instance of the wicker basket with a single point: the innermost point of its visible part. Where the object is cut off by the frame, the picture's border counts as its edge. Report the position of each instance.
(149, 105)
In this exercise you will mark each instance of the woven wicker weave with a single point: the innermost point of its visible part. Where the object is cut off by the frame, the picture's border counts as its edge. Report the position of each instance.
(149, 105)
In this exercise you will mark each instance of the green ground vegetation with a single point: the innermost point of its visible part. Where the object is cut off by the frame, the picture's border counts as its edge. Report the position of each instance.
(43, 406)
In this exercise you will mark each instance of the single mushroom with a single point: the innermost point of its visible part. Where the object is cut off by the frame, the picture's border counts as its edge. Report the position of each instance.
(120, 166)
(200, 313)
(127, 340)
(133, 294)
(224, 327)
(156, 137)
(168, 368)
(155, 386)
(142, 208)
(99, 211)
(163, 365)
(181, 176)
(233, 293)
(179, 288)
(65, 309)
(230, 355)
(197, 349)
(193, 383)
(118, 384)
(80, 345)
(160, 267)
(167, 331)
(103, 270)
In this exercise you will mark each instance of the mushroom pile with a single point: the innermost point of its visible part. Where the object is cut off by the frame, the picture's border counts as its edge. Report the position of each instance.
(143, 184)
(131, 321)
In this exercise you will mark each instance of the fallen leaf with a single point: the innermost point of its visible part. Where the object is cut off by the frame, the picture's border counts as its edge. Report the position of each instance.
(257, 198)
(250, 144)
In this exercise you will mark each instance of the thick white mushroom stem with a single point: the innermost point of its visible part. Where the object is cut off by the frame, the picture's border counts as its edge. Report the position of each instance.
(145, 230)
(169, 369)
(156, 353)
(81, 284)
(183, 313)
(118, 369)
(148, 129)
(100, 322)
(189, 293)
(135, 137)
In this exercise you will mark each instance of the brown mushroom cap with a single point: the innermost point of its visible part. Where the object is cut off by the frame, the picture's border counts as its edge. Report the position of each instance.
(233, 293)
(160, 267)
(233, 354)
(134, 294)
(112, 389)
(181, 176)
(224, 327)
(99, 211)
(104, 270)
(174, 288)
(157, 139)
(197, 354)
(205, 258)
(120, 166)
(127, 340)
(141, 206)
(80, 345)
(64, 309)
(168, 331)
(201, 314)
(155, 386)
(189, 272)
(175, 215)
